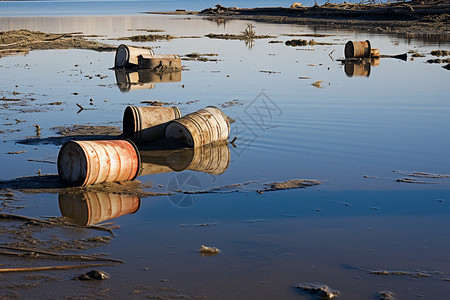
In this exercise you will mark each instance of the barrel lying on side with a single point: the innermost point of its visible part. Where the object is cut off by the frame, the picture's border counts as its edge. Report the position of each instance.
(147, 124)
(200, 128)
(127, 56)
(357, 49)
(167, 61)
(89, 162)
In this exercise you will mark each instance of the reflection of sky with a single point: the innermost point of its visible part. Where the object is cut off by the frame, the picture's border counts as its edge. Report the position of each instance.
(397, 119)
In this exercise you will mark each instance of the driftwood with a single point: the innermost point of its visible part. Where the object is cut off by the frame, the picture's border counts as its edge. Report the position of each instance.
(32, 252)
(35, 269)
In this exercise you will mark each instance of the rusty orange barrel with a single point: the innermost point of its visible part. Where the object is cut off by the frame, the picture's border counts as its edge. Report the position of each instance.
(147, 124)
(200, 128)
(89, 208)
(127, 56)
(357, 69)
(375, 53)
(357, 49)
(89, 162)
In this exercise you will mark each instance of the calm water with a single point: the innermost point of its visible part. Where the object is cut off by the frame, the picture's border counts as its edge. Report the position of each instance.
(397, 119)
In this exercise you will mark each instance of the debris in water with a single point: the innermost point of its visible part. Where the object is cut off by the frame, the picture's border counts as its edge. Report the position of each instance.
(295, 43)
(16, 152)
(423, 174)
(198, 225)
(386, 295)
(304, 77)
(291, 184)
(38, 130)
(398, 273)
(439, 61)
(412, 180)
(440, 53)
(317, 84)
(321, 290)
(93, 275)
(269, 72)
(204, 250)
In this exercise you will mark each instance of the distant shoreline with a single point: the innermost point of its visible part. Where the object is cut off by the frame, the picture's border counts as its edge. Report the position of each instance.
(405, 18)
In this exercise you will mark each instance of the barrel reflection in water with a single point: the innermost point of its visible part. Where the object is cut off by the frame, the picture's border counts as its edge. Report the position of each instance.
(211, 159)
(143, 79)
(89, 208)
(360, 68)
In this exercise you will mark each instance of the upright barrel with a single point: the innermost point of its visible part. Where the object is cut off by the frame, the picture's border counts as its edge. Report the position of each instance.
(357, 49)
(147, 124)
(89, 162)
(127, 56)
(89, 208)
(200, 128)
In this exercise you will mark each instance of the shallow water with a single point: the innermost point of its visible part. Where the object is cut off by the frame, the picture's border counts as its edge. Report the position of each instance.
(357, 135)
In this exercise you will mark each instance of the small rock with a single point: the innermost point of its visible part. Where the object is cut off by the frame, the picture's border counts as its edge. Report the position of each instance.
(321, 290)
(93, 275)
(204, 250)
(386, 295)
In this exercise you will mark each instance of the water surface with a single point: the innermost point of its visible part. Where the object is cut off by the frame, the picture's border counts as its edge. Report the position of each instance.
(357, 135)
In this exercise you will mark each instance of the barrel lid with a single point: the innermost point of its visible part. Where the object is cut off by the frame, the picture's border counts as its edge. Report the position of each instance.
(122, 56)
(72, 163)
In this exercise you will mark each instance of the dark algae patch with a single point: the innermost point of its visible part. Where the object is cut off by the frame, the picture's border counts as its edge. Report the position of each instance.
(148, 38)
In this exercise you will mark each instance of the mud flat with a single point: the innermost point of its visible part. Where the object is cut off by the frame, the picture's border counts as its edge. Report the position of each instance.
(412, 18)
(19, 41)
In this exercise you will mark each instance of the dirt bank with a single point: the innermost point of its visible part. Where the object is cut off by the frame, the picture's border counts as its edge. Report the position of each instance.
(413, 18)
(19, 41)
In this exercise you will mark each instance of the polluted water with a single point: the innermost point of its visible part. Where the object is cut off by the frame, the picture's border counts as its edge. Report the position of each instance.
(229, 177)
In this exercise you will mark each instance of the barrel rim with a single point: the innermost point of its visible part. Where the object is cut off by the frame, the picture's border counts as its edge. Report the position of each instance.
(81, 181)
(127, 57)
(131, 117)
(138, 157)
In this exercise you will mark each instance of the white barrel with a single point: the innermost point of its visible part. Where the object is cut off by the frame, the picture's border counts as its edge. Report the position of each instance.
(200, 128)
(128, 55)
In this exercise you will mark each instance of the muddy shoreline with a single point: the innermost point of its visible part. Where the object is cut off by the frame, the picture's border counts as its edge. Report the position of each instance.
(411, 19)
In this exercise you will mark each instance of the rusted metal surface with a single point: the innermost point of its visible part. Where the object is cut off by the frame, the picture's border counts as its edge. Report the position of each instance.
(375, 53)
(147, 124)
(89, 162)
(165, 61)
(357, 49)
(127, 56)
(200, 128)
(90, 208)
